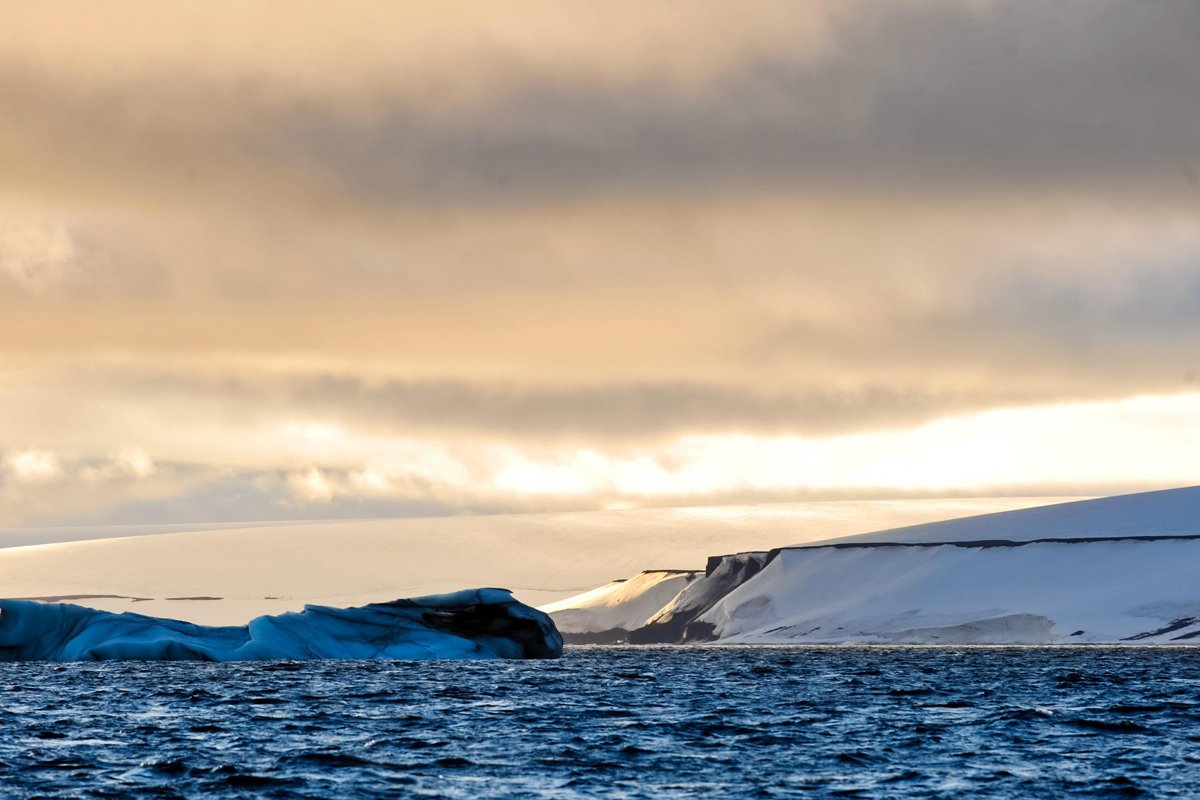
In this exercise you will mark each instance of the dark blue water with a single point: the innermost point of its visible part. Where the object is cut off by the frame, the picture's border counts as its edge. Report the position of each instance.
(615, 722)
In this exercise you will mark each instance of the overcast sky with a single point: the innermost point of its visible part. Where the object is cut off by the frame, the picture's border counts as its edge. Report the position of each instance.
(291, 259)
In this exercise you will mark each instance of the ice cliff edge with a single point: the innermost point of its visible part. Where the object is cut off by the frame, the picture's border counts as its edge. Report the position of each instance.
(1112, 570)
(470, 624)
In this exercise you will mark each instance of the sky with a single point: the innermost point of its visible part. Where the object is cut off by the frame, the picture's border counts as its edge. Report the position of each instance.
(276, 260)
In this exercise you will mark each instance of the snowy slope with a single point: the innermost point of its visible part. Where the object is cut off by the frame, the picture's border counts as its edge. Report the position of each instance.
(1103, 570)
(1042, 592)
(721, 576)
(1106, 570)
(620, 605)
(541, 557)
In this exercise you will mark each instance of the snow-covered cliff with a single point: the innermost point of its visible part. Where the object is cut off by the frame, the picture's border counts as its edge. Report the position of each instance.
(1116, 569)
(1069, 591)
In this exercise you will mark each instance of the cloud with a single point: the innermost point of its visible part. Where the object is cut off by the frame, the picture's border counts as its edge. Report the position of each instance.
(932, 96)
(924, 95)
(37, 255)
(221, 497)
(349, 260)
(406, 44)
(620, 410)
(134, 461)
(325, 409)
(33, 466)
(1064, 448)
(310, 486)
(1107, 329)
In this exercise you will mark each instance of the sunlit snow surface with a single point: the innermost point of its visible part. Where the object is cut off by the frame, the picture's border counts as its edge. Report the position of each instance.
(480, 623)
(1114, 569)
(1105, 591)
(625, 604)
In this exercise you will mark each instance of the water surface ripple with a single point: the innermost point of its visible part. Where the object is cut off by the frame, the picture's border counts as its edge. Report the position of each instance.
(615, 722)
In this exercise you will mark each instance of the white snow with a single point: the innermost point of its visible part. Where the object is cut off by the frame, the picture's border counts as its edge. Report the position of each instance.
(543, 558)
(1042, 592)
(1082, 591)
(624, 604)
(700, 595)
(929, 590)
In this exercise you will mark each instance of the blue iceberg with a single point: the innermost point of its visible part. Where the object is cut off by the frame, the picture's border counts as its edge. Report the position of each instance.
(475, 623)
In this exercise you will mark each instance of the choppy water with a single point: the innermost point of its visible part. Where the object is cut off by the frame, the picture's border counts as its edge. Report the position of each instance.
(614, 722)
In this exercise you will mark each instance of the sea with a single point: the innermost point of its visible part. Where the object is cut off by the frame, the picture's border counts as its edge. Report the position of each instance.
(620, 722)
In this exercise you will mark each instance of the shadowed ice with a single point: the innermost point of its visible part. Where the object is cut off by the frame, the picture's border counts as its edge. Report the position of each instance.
(477, 623)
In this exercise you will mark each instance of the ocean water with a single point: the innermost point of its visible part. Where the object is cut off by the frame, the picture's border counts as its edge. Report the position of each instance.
(615, 722)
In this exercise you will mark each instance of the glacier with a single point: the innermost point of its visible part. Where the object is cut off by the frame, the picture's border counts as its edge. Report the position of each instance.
(607, 614)
(469, 624)
(1113, 570)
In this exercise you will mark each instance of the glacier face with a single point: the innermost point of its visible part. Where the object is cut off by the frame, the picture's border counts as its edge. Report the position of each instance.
(475, 623)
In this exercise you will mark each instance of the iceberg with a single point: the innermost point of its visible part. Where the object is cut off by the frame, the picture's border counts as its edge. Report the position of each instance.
(470, 624)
